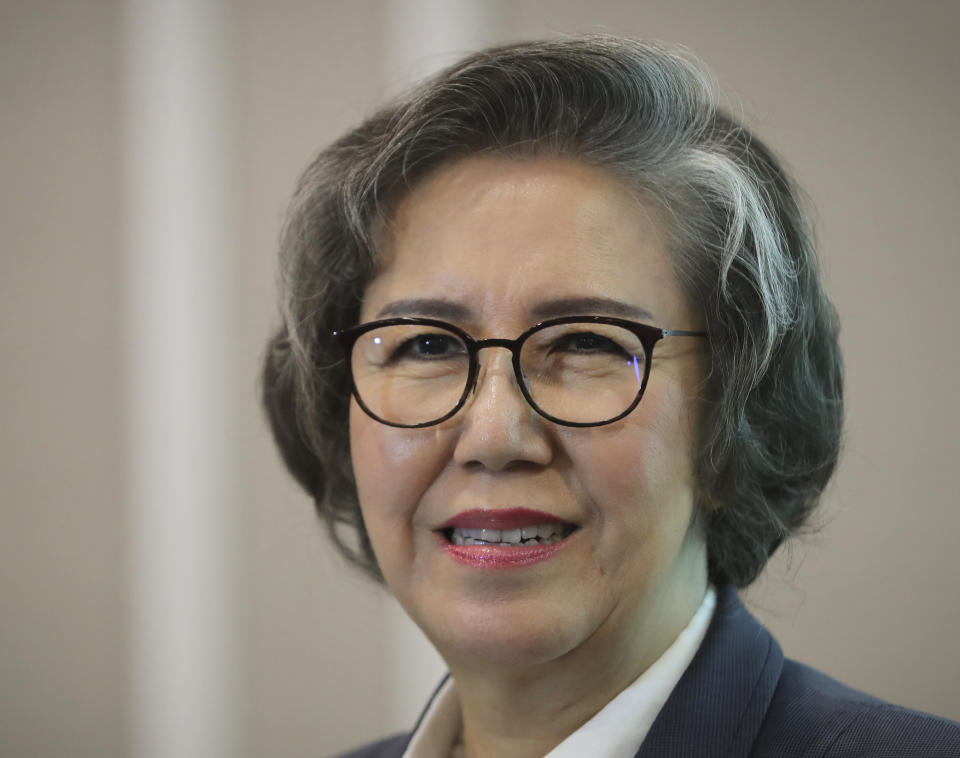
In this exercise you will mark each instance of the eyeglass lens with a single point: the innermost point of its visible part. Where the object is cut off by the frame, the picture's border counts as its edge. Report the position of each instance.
(412, 374)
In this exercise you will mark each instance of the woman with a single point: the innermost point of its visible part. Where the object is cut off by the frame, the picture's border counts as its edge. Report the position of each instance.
(557, 367)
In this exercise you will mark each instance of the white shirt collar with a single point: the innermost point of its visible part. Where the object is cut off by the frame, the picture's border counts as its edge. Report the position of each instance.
(614, 732)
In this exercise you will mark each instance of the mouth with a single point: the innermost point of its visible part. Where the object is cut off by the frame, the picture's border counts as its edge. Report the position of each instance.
(525, 536)
(504, 538)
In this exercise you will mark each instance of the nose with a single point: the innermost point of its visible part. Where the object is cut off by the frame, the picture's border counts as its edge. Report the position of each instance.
(498, 429)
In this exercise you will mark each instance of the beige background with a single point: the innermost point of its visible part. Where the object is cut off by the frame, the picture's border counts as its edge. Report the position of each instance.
(861, 98)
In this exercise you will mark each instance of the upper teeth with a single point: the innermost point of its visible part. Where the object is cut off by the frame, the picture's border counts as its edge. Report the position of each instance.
(542, 533)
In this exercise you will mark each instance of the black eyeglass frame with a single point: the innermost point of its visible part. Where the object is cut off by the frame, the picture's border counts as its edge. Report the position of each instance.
(648, 336)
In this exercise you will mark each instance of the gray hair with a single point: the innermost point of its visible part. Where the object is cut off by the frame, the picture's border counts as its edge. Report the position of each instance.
(739, 242)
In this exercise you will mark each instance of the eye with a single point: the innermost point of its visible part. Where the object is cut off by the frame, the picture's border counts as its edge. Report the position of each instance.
(429, 347)
(586, 343)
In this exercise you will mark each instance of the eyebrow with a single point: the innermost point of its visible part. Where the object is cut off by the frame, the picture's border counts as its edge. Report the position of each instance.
(589, 306)
(426, 307)
(567, 306)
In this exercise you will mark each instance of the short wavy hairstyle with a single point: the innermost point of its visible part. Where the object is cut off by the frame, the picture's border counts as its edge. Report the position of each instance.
(739, 242)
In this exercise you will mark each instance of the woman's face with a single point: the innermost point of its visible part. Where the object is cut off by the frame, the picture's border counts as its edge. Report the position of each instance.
(493, 245)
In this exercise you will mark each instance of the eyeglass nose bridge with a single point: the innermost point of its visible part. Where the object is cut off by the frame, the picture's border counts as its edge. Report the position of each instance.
(475, 346)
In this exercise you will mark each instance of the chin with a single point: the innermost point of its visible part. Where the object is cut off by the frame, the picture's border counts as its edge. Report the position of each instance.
(524, 635)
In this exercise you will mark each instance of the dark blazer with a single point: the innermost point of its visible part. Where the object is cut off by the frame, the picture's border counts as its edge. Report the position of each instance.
(740, 698)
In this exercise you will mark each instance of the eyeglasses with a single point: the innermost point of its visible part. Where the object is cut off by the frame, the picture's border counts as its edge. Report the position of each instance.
(574, 371)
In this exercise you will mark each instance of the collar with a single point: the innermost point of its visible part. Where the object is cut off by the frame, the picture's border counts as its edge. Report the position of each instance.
(720, 702)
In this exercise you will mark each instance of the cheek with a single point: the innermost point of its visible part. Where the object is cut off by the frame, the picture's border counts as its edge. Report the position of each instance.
(393, 468)
(638, 480)
(641, 464)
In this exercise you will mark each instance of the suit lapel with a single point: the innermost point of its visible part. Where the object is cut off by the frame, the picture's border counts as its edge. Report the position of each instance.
(718, 705)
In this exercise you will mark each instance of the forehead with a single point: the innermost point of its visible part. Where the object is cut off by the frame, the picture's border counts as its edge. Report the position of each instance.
(488, 232)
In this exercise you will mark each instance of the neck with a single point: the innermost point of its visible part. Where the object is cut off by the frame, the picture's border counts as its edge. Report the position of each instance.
(524, 711)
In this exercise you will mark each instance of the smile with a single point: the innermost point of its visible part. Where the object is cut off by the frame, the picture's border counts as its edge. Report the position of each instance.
(499, 539)
(543, 534)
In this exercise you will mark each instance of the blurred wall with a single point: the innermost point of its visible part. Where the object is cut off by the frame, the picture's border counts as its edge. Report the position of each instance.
(861, 99)
(62, 638)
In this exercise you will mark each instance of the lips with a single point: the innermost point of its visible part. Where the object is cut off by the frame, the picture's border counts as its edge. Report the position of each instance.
(504, 538)
(509, 518)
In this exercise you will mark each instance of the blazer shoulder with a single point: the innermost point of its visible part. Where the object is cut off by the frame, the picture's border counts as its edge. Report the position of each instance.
(390, 747)
(890, 731)
(813, 715)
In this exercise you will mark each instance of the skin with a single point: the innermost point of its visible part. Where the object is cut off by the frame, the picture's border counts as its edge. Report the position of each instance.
(536, 651)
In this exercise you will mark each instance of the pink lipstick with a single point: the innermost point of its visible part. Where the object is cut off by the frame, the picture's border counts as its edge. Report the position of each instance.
(505, 538)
